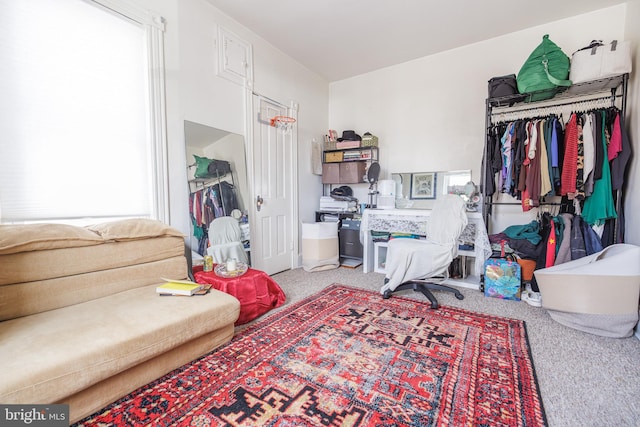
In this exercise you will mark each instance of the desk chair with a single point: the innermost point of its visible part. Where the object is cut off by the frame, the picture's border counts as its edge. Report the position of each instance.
(422, 265)
(225, 240)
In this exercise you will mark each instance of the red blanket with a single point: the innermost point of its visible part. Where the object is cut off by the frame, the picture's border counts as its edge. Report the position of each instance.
(256, 290)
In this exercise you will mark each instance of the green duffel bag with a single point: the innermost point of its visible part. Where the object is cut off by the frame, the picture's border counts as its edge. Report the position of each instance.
(546, 69)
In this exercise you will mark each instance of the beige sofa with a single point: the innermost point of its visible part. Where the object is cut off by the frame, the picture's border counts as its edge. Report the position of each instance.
(80, 321)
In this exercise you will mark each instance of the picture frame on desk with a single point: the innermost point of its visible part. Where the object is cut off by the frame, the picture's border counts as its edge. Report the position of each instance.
(423, 186)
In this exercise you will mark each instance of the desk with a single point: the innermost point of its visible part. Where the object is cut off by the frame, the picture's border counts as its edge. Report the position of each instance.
(257, 292)
(415, 221)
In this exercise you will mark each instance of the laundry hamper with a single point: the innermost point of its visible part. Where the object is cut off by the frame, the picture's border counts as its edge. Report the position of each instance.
(596, 294)
(320, 247)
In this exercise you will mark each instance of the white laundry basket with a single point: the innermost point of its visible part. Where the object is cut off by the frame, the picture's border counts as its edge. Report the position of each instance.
(320, 247)
(597, 294)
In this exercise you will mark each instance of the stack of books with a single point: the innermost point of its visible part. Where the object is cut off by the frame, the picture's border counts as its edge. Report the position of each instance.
(179, 287)
(352, 155)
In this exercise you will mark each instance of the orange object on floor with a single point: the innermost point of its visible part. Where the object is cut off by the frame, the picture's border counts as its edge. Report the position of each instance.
(257, 292)
(527, 266)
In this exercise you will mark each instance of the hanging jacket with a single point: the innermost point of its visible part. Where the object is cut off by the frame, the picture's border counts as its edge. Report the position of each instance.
(588, 144)
(579, 193)
(592, 242)
(564, 249)
(577, 239)
(570, 162)
(533, 174)
(492, 160)
(600, 206)
(619, 163)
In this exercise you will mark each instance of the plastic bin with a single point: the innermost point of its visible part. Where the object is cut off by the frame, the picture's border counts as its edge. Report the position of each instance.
(597, 294)
(320, 247)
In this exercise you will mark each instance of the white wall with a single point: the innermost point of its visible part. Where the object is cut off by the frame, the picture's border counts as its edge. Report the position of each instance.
(430, 113)
(195, 93)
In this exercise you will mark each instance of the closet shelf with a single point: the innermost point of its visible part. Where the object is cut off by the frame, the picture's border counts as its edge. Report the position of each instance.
(579, 89)
(212, 179)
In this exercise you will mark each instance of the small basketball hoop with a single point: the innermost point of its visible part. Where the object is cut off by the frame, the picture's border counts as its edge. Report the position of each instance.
(283, 122)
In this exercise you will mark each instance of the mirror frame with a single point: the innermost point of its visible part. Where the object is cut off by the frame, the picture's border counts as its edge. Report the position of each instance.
(201, 140)
(445, 182)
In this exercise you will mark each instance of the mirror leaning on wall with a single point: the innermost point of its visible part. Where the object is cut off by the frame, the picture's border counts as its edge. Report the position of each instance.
(419, 190)
(216, 189)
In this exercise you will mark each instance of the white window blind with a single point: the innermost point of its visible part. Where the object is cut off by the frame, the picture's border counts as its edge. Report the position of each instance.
(79, 135)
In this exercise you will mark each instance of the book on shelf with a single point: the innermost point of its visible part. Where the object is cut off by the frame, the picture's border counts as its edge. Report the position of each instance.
(178, 287)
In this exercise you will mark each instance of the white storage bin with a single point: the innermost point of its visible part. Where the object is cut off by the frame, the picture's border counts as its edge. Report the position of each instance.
(596, 294)
(320, 246)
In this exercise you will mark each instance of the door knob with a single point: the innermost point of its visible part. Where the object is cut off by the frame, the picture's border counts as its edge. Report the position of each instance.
(259, 202)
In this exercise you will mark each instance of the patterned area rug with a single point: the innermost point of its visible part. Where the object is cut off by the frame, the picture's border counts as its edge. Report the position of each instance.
(348, 357)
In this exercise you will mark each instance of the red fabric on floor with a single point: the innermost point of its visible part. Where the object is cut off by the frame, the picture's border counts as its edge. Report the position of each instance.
(257, 292)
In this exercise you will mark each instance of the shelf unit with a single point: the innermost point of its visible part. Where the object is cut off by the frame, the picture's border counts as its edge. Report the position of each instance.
(518, 106)
(348, 165)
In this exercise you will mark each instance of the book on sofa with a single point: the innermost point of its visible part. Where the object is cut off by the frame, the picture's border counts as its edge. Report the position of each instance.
(178, 287)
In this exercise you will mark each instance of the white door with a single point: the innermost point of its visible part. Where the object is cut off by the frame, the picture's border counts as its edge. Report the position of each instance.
(273, 174)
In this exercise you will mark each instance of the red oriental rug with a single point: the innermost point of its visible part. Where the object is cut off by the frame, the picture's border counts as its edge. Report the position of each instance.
(348, 357)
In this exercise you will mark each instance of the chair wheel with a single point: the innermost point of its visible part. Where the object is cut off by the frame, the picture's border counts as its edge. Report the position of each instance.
(386, 295)
(459, 296)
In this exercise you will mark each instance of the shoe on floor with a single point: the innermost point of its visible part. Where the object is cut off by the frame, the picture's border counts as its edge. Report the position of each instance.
(532, 298)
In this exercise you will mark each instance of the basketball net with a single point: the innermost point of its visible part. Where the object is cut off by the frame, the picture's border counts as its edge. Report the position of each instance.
(284, 123)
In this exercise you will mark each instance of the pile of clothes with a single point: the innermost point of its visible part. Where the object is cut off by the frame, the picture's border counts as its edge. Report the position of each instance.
(549, 240)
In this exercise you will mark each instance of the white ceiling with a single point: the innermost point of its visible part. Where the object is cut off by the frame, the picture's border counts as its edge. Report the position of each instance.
(342, 38)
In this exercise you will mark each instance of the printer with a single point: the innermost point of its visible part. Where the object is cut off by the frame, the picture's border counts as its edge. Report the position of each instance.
(329, 204)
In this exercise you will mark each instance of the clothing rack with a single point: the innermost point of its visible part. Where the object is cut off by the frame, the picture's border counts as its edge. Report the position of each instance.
(202, 183)
(586, 96)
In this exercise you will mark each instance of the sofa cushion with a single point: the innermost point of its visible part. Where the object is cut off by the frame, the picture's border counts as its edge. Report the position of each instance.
(133, 229)
(64, 262)
(83, 344)
(37, 237)
(26, 298)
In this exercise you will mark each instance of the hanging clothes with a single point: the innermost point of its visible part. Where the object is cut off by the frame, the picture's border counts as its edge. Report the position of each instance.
(550, 256)
(583, 161)
(545, 181)
(600, 206)
(492, 159)
(619, 163)
(579, 194)
(534, 183)
(564, 248)
(588, 152)
(570, 162)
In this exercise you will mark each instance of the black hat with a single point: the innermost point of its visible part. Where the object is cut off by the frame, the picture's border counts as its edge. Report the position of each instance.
(345, 190)
(350, 135)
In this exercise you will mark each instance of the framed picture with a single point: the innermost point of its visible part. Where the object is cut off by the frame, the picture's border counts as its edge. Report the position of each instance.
(423, 185)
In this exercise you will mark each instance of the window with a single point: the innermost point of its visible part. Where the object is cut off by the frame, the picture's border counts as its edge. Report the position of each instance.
(81, 113)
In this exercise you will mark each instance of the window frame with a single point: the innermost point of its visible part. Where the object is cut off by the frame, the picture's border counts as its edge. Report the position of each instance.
(154, 27)
(151, 26)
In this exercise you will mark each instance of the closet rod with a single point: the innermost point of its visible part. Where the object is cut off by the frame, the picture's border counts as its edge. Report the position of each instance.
(556, 104)
(520, 204)
(511, 110)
